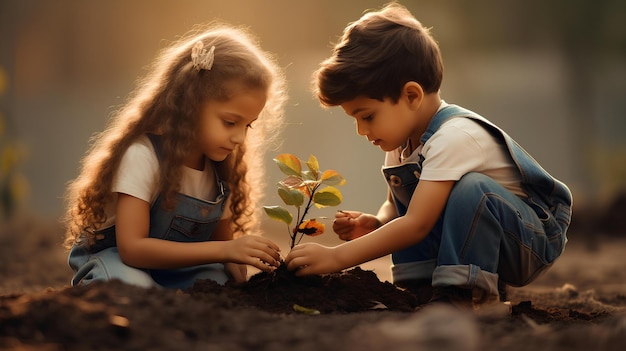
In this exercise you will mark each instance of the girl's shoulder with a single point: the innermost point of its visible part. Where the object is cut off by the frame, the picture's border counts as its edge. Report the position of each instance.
(142, 146)
(141, 152)
(138, 171)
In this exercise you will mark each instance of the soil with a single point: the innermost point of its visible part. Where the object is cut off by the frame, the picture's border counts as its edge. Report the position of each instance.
(579, 304)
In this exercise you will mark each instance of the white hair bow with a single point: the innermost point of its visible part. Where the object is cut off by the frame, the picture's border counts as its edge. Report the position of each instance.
(201, 58)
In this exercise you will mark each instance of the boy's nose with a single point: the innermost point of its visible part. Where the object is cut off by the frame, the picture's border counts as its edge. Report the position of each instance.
(361, 130)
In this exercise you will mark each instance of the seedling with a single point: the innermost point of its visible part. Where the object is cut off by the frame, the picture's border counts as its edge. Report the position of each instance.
(303, 188)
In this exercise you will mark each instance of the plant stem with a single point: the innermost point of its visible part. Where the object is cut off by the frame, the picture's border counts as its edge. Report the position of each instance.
(301, 218)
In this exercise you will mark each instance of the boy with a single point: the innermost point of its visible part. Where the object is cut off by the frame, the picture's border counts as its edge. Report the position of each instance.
(467, 209)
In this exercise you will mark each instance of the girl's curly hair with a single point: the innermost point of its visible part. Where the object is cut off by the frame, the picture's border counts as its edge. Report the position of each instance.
(167, 102)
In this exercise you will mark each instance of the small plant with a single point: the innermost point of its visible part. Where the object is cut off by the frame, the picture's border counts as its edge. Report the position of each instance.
(303, 189)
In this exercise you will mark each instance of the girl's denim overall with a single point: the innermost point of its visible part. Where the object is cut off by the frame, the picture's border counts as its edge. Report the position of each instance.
(192, 220)
(486, 232)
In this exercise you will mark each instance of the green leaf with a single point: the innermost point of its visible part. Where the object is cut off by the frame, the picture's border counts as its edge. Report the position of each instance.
(291, 197)
(314, 166)
(289, 164)
(331, 177)
(329, 196)
(278, 213)
(305, 310)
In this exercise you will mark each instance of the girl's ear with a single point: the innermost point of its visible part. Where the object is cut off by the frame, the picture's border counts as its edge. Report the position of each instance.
(413, 93)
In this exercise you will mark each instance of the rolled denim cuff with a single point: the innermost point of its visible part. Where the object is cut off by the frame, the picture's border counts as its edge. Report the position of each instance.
(470, 276)
(413, 270)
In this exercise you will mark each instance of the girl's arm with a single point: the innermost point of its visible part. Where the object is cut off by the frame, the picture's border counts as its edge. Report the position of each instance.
(427, 204)
(223, 231)
(138, 250)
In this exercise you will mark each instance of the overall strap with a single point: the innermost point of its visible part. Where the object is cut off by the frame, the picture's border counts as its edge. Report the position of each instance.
(540, 185)
(442, 116)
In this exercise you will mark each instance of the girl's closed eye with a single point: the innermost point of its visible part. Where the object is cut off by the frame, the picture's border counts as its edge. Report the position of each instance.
(229, 123)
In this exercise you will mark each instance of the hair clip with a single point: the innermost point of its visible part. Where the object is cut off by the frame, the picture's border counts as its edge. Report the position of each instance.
(201, 58)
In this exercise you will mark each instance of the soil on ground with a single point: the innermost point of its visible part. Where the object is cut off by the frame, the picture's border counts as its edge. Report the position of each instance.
(579, 304)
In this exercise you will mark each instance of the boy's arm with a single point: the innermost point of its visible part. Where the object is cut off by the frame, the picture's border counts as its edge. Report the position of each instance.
(427, 204)
(387, 210)
(425, 208)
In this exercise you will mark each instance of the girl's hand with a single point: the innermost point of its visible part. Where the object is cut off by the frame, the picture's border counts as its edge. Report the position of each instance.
(238, 272)
(253, 250)
(350, 225)
(312, 258)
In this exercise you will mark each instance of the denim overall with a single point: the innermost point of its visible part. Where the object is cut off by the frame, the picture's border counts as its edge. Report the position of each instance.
(192, 220)
(486, 233)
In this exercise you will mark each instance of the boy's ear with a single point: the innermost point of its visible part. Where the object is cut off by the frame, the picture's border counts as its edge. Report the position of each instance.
(413, 93)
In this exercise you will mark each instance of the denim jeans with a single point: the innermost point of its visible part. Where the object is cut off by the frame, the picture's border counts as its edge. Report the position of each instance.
(107, 265)
(192, 220)
(486, 233)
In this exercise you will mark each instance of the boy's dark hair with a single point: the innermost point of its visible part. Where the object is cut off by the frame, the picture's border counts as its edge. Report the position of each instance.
(376, 56)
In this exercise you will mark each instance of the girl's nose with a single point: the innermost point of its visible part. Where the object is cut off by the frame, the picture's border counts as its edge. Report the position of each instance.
(239, 136)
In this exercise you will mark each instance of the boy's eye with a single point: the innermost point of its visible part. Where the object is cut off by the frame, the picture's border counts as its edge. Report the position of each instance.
(368, 117)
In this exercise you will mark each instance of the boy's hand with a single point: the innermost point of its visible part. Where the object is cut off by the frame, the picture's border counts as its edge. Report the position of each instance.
(312, 258)
(255, 251)
(350, 225)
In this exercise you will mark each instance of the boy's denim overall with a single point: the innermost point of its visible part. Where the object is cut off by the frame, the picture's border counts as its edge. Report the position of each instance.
(192, 220)
(485, 232)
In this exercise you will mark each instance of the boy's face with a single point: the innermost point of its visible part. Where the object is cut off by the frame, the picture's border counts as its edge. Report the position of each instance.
(385, 124)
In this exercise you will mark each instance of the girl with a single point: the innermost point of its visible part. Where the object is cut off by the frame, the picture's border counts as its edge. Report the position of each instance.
(164, 196)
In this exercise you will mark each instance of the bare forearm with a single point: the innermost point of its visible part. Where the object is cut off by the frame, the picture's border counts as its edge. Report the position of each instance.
(386, 212)
(163, 254)
(395, 235)
(400, 232)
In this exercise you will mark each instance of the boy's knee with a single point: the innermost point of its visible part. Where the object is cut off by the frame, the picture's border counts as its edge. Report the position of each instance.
(476, 179)
(473, 184)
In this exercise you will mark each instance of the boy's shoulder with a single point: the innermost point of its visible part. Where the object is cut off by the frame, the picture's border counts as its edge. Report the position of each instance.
(459, 116)
(458, 129)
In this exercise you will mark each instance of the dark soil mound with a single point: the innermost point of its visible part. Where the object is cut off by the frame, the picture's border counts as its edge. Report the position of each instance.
(355, 290)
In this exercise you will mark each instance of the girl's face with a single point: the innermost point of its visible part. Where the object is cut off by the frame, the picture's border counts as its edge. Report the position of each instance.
(223, 124)
(385, 124)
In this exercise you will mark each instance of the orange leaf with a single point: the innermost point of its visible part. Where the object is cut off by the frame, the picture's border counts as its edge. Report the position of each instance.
(311, 227)
(331, 177)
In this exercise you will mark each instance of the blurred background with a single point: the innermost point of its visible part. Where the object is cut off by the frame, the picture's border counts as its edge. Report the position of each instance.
(551, 73)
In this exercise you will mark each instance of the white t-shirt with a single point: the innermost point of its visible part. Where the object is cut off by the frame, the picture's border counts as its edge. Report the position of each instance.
(138, 176)
(460, 146)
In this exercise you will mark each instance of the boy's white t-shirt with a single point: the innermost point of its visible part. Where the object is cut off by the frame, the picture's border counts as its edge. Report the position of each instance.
(138, 176)
(458, 147)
